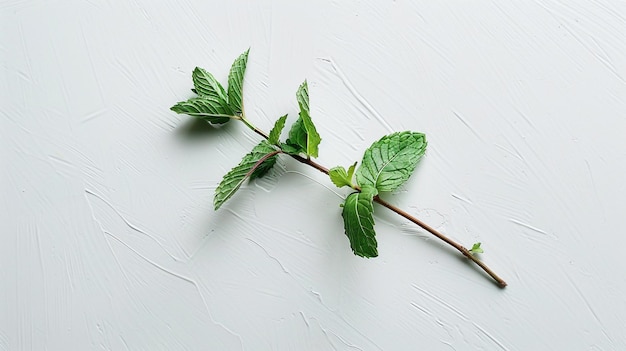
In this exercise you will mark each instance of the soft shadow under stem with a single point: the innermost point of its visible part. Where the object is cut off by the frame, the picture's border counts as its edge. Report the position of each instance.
(501, 283)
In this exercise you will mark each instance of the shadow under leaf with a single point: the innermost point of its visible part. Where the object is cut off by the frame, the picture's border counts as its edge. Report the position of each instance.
(194, 128)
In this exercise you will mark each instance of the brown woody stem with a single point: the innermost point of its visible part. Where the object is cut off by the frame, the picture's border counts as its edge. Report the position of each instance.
(501, 283)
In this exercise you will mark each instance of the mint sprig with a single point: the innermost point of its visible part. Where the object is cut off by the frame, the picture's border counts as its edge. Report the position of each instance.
(386, 164)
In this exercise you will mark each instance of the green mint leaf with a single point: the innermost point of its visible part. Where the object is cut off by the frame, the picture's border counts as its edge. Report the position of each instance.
(351, 171)
(235, 82)
(209, 108)
(390, 161)
(313, 138)
(265, 166)
(253, 165)
(302, 95)
(274, 137)
(297, 137)
(206, 85)
(359, 222)
(340, 177)
(290, 149)
(476, 248)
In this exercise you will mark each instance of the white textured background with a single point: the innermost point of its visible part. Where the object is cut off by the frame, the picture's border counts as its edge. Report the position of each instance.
(109, 239)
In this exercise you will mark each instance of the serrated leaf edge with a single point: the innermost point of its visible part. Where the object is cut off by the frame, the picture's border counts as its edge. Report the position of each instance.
(370, 192)
(205, 84)
(274, 136)
(235, 82)
(204, 102)
(220, 198)
(370, 149)
(313, 138)
(342, 176)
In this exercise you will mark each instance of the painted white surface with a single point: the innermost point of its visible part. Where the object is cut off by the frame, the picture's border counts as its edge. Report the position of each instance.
(109, 240)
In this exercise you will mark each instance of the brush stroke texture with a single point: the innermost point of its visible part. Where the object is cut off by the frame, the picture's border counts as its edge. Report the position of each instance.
(110, 242)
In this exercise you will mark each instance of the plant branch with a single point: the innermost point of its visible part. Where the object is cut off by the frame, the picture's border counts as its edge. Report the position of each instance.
(307, 161)
(447, 240)
(251, 126)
